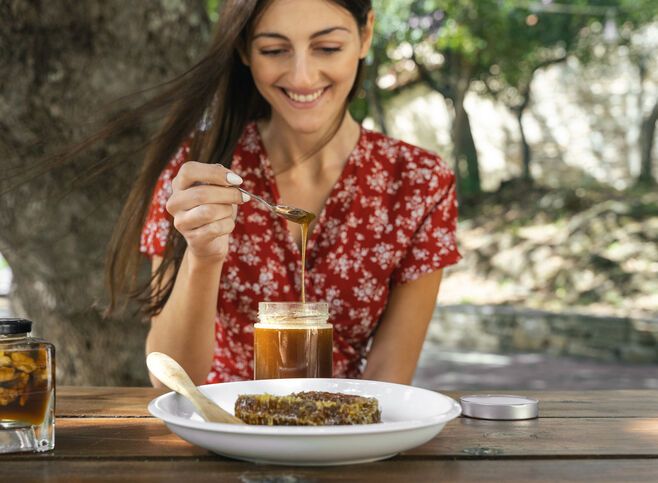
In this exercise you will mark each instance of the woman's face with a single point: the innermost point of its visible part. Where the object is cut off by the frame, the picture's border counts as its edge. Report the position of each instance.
(304, 57)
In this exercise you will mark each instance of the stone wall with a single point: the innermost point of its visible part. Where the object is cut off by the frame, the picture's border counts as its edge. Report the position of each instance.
(493, 328)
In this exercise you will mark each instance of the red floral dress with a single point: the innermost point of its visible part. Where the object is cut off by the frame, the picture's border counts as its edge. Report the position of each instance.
(390, 218)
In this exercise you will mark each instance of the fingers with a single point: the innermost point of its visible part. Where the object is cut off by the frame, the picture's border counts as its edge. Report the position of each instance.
(199, 216)
(210, 232)
(203, 204)
(193, 172)
(183, 200)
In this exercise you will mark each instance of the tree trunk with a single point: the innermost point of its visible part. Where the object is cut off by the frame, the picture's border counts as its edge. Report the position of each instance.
(525, 149)
(454, 86)
(466, 157)
(647, 133)
(526, 154)
(62, 60)
(525, 91)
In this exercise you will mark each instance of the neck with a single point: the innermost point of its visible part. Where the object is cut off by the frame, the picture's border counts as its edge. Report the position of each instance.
(288, 149)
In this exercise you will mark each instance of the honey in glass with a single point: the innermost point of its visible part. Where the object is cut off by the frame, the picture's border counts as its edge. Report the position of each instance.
(292, 339)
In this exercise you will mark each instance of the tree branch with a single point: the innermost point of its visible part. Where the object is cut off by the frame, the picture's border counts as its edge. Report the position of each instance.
(426, 76)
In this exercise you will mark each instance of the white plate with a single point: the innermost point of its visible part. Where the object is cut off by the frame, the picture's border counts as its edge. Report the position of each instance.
(410, 417)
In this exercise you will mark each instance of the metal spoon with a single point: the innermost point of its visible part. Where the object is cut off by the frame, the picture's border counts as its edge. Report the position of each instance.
(296, 215)
(172, 375)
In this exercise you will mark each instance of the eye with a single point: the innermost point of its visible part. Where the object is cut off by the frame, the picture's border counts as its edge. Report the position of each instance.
(329, 50)
(272, 52)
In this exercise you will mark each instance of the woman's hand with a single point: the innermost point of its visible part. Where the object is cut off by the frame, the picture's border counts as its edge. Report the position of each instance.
(204, 205)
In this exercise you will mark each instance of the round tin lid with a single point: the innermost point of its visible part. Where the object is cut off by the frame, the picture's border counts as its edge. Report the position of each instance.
(499, 406)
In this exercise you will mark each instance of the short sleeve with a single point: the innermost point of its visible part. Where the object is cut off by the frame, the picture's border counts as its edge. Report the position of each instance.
(434, 244)
(158, 221)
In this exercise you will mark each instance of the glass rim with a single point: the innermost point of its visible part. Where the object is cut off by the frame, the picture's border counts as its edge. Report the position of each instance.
(293, 304)
(293, 309)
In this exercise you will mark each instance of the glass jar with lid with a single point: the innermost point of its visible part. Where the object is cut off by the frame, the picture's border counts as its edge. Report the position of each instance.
(27, 389)
(293, 339)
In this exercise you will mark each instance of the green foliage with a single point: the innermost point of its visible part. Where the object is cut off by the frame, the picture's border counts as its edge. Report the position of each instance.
(359, 108)
(212, 7)
(506, 39)
(496, 46)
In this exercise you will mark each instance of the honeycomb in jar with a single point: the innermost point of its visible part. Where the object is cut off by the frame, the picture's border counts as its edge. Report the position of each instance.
(24, 385)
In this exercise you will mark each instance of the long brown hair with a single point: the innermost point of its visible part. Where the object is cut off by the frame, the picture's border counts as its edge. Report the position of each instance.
(219, 90)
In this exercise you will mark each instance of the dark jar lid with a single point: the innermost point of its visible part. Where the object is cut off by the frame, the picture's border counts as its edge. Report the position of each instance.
(15, 326)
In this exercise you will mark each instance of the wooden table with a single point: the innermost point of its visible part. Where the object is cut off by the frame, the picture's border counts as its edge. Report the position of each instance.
(107, 433)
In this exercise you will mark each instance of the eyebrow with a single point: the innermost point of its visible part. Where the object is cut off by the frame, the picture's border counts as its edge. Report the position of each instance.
(319, 33)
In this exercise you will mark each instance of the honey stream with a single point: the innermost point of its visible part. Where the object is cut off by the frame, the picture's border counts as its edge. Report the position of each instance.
(301, 217)
(304, 224)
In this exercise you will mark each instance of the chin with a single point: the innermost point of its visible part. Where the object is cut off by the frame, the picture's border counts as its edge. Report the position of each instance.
(307, 126)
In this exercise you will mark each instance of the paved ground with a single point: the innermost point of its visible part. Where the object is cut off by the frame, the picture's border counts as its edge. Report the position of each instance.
(461, 370)
(456, 370)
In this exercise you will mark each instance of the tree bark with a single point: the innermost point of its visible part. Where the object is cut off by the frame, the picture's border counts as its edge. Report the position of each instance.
(62, 61)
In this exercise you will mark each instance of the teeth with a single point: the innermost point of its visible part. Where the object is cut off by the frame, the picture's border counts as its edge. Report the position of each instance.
(304, 98)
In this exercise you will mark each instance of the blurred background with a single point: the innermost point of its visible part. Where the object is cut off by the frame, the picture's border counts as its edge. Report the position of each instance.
(546, 110)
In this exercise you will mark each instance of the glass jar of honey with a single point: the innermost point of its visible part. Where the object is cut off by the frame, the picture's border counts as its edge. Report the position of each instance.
(293, 339)
(27, 389)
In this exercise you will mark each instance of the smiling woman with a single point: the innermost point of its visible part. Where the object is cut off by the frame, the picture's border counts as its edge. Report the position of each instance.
(307, 75)
(266, 109)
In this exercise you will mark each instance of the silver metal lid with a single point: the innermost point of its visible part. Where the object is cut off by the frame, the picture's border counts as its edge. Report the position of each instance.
(499, 406)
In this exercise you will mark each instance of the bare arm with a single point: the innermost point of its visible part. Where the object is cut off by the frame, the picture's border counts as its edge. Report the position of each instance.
(203, 207)
(401, 333)
(186, 326)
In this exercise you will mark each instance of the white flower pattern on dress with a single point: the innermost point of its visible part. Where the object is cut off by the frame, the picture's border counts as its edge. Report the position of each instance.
(390, 218)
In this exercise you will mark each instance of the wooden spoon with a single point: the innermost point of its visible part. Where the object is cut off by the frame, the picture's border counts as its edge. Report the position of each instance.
(172, 375)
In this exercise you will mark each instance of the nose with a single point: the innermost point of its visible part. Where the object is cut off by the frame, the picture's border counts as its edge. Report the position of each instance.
(304, 72)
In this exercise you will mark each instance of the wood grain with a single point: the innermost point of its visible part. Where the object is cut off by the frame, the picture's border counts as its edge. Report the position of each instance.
(105, 401)
(392, 470)
(550, 437)
(463, 438)
(132, 402)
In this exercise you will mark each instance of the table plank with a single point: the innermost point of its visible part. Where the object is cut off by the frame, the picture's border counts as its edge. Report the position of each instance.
(402, 471)
(463, 438)
(106, 401)
(546, 437)
(132, 402)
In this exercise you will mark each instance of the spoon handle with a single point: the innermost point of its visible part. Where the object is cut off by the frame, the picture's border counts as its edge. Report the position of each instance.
(210, 411)
(172, 375)
(269, 205)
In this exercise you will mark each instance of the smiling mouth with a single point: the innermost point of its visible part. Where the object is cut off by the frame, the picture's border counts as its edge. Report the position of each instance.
(304, 98)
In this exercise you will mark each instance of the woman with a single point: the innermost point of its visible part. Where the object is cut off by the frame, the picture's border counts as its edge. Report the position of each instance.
(275, 88)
